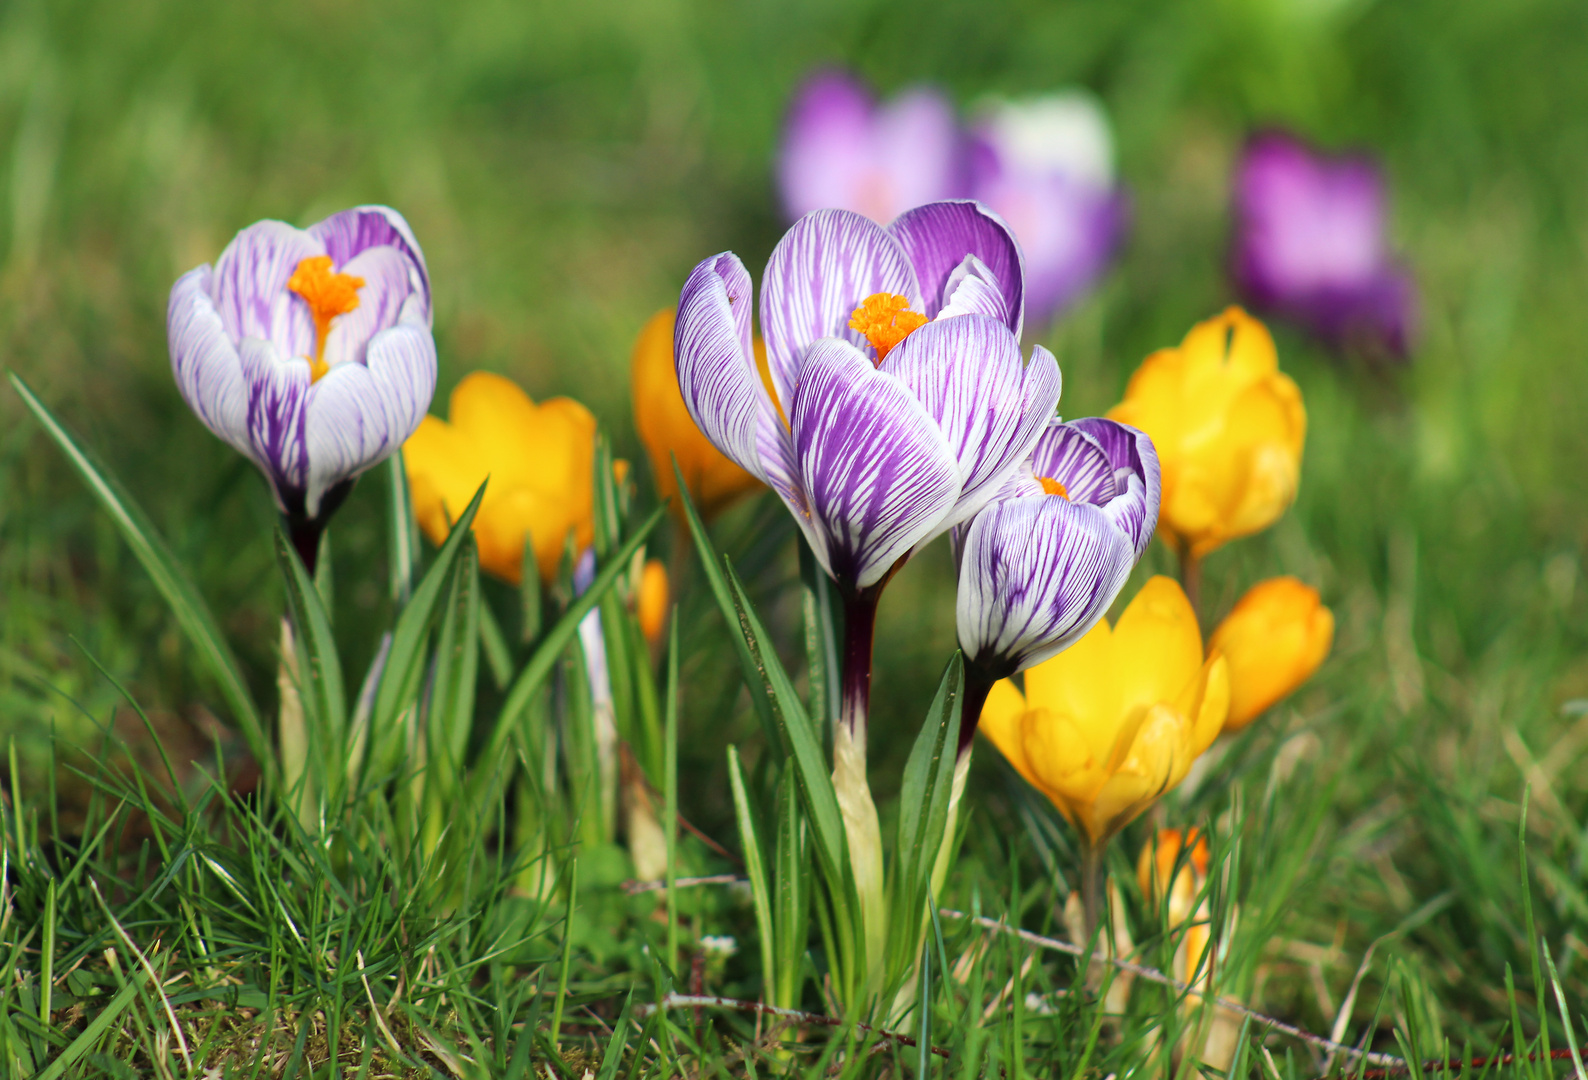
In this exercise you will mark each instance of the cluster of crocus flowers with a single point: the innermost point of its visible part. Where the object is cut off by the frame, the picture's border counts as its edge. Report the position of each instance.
(1228, 426)
(309, 350)
(1310, 245)
(1044, 163)
(540, 462)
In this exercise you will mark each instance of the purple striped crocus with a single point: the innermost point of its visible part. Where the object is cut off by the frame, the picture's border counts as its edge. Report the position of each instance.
(1310, 245)
(896, 403)
(1046, 165)
(1040, 565)
(842, 150)
(309, 350)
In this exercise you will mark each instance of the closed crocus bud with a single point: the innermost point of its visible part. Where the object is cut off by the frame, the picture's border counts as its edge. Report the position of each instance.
(1311, 245)
(652, 600)
(1273, 640)
(1228, 426)
(309, 350)
(1155, 871)
(540, 461)
(841, 150)
(1046, 164)
(1115, 721)
(668, 431)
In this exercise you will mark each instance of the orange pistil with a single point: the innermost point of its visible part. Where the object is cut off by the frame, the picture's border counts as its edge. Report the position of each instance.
(1053, 487)
(328, 296)
(886, 320)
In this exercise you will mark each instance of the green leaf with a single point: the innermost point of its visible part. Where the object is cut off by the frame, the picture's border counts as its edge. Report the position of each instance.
(323, 692)
(821, 640)
(497, 655)
(923, 816)
(529, 594)
(544, 661)
(192, 614)
(451, 712)
(97, 1027)
(399, 681)
(755, 869)
(791, 896)
(403, 529)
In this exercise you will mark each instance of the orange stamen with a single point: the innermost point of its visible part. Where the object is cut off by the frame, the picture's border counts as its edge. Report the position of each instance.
(886, 320)
(328, 296)
(1053, 487)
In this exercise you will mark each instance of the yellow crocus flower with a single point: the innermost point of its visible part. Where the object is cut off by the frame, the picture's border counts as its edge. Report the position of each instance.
(1273, 640)
(540, 461)
(668, 431)
(1228, 426)
(1115, 721)
(651, 601)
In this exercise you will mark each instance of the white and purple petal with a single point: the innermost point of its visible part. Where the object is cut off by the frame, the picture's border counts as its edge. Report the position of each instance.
(1036, 575)
(278, 388)
(204, 360)
(939, 235)
(876, 468)
(1138, 482)
(249, 286)
(973, 290)
(991, 407)
(825, 265)
(348, 234)
(387, 289)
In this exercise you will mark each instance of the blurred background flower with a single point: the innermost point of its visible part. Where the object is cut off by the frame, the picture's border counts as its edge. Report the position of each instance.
(1276, 636)
(538, 458)
(1311, 244)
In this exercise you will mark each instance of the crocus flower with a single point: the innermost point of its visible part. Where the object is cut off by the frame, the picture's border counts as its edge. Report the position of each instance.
(667, 430)
(1112, 723)
(651, 600)
(841, 150)
(1046, 165)
(1228, 427)
(1273, 639)
(309, 350)
(1310, 245)
(540, 460)
(1040, 566)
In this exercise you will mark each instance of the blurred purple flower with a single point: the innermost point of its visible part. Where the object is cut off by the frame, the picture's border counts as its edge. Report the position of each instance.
(309, 350)
(1046, 165)
(877, 439)
(1310, 245)
(841, 150)
(1044, 560)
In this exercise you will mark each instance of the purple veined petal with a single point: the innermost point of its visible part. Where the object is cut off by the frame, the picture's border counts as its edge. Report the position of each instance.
(249, 286)
(821, 270)
(348, 234)
(879, 474)
(1066, 453)
(1138, 480)
(204, 361)
(358, 414)
(972, 290)
(1036, 575)
(990, 407)
(718, 378)
(939, 235)
(277, 386)
(386, 290)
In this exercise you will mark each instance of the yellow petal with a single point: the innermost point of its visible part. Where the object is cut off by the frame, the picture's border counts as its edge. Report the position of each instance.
(1080, 684)
(1000, 722)
(1157, 864)
(1273, 640)
(668, 431)
(652, 602)
(1162, 742)
(1157, 645)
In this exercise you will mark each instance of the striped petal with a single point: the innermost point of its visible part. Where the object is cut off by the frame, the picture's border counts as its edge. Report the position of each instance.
(1036, 575)
(991, 407)
(821, 270)
(973, 290)
(249, 286)
(939, 235)
(277, 386)
(718, 378)
(1138, 483)
(352, 232)
(1066, 453)
(879, 473)
(387, 289)
(359, 413)
(204, 361)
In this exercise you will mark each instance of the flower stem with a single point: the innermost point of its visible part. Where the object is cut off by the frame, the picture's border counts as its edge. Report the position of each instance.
(1191, 580)
(860, 620)
(978, 684)
(1091, 886)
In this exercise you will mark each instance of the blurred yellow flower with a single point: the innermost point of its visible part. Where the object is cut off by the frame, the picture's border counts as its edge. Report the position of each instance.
(1156, 865)
(1228, 427)
(667, 429)
(540, 460)
(1113, 722)
(1273, 640)
(652, 599)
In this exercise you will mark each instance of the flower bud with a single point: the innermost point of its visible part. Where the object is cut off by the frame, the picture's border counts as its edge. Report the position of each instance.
(1273, 641)
(652, 600)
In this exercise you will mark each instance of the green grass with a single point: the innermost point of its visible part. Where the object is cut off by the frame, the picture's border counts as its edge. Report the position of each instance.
(563, 167)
